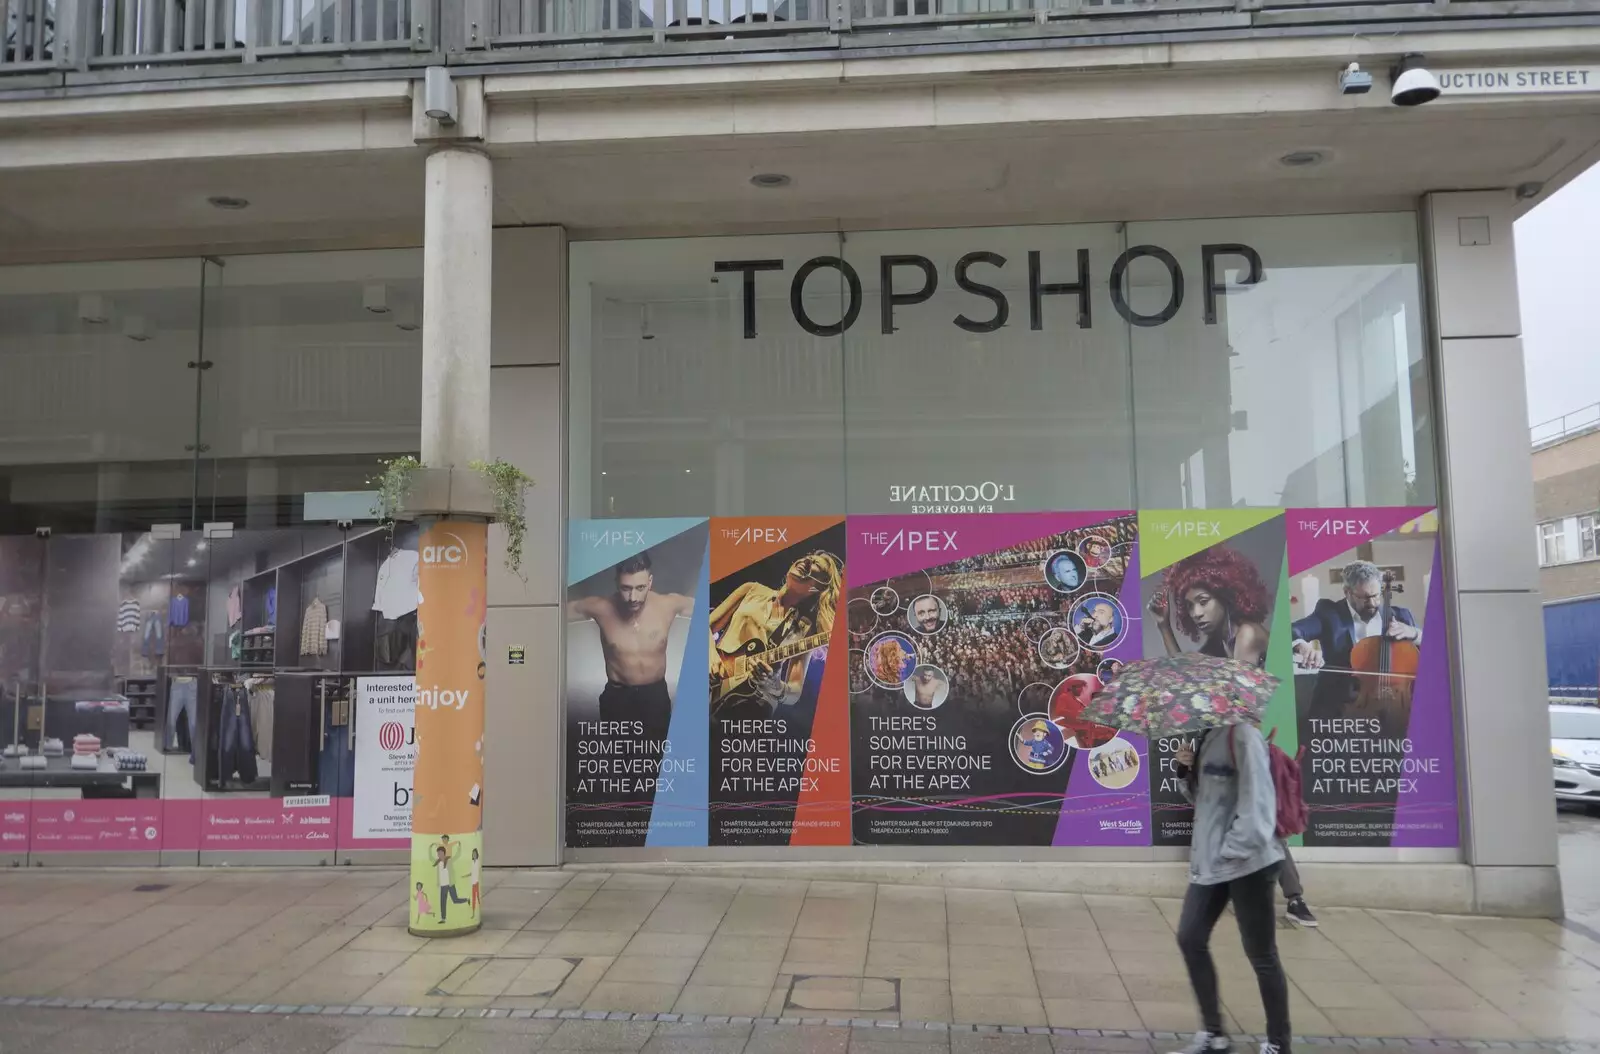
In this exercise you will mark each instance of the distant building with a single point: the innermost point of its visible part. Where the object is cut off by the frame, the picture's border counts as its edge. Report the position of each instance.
(1566, 482)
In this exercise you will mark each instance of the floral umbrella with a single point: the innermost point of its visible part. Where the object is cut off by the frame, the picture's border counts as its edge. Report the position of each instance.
(1182, 694)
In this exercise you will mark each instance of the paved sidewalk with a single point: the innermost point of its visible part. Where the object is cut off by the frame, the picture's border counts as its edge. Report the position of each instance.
(668, 953)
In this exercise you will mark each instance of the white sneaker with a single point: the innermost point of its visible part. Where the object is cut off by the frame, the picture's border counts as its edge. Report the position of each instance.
(1207, 1043)
(1271, 1048)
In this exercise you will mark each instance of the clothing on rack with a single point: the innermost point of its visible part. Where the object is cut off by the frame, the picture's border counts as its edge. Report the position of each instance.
(235, 645)
(128, 616)
(261, 693)
(396, 644)
(397, 585)
(236, 748)
(155, 634)
(183, 695)
(235, 606)
(272, 606)
(313, 627)
(178, 610)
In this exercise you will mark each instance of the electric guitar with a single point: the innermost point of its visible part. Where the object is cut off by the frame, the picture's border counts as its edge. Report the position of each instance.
(733, 677)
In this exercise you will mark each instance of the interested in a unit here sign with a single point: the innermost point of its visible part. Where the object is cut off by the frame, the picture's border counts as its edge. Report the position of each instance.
(1520, 80)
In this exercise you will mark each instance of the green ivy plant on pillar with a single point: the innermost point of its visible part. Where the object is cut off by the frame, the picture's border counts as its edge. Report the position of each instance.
(508, 486)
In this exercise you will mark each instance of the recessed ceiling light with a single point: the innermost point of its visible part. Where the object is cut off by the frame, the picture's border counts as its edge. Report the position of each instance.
(1301, 159)
(770, 180)
(223, 201)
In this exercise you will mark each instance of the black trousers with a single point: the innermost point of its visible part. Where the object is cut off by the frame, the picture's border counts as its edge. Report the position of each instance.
(1254, 908)
(650, 704)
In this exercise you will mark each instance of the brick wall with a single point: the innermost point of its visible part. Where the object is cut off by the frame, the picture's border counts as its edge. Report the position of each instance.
(1570, 580)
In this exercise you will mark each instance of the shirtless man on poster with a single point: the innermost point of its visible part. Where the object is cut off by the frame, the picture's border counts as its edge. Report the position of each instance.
(634, 625)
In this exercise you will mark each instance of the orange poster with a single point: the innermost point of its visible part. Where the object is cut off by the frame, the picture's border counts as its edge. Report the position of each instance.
(447, 810)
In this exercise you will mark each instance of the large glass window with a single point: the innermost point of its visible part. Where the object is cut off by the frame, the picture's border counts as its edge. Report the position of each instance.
(1192, 364)
(711, 378)
(976, 360)
(192, 391)
(182, 621)
(1292, 373)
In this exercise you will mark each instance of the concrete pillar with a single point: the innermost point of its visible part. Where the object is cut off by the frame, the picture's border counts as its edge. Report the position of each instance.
(457, 295)
(1503, 730)
(447, 851)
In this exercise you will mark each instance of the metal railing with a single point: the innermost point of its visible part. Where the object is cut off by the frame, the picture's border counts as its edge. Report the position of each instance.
(88, 34)
(1571, 423)
(108, 36)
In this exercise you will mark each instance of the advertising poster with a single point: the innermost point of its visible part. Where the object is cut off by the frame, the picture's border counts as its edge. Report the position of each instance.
(779, 748)
(975, 641)
(386, 758)
(638, 720)
(1371, 677)
(452, 605)
(88, 825)
(1212, 584)
(304, 823)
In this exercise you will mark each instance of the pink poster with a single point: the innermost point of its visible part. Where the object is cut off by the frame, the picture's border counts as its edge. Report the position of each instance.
(78, 825)
(253, 824)
(14, 826)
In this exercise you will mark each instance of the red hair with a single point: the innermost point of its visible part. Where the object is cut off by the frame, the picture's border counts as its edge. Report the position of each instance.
(1228, 575)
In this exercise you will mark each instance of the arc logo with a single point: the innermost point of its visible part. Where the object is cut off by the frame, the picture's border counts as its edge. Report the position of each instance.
(451, 554)
(392, 735)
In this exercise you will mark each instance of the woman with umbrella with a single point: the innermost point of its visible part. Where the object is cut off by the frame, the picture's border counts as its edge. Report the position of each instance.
(1222, 602)
(1234, 853)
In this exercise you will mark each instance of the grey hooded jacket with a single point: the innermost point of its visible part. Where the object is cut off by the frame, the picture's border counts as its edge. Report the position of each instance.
(1235, 808)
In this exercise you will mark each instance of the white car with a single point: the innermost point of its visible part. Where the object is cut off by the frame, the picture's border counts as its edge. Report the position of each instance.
(1575, 753)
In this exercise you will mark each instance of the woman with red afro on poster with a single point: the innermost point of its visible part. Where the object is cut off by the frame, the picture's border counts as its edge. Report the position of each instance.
(1221, 601)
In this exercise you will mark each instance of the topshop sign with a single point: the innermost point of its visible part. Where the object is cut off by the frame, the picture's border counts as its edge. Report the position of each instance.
(910, 279)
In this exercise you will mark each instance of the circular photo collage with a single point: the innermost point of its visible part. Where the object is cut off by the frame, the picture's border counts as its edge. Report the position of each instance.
(1037, 745)
(1114, 764)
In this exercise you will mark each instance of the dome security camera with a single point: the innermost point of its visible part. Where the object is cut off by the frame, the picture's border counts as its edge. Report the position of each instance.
(1413, 84)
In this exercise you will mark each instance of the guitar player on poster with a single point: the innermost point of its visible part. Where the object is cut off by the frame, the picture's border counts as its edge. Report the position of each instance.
(800, 610)
(1325, 639)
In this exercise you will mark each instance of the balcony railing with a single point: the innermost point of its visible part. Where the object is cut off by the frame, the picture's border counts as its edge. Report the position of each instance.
(133, 39)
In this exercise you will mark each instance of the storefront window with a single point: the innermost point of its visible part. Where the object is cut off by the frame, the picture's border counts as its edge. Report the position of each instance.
(189, 635)
(1300, 382)
(699, 388)
(978, 379)
(316, 374)
(860, 536)
(96, 394)
(1202, 364)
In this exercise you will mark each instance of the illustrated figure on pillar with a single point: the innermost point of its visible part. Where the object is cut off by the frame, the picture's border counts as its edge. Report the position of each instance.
(447, 886)
(635, 622)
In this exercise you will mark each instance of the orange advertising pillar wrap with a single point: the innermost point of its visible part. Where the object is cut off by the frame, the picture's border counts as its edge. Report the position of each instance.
(446, 891)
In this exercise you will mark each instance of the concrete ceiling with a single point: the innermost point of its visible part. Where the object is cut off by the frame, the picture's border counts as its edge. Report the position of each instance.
(1019, 173)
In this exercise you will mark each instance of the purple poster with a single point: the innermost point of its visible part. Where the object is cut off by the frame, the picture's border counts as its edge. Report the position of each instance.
(1372, 683)
(976, 641)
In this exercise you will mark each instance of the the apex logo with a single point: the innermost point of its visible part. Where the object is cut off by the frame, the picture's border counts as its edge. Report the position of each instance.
(451, 554)
(912, 541)
(1336, 528)
(448, 698)
(750, 535)
(602, 539)
(1191, 529)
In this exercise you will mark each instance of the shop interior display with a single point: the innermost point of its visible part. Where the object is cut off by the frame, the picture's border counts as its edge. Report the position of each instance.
(138, 667)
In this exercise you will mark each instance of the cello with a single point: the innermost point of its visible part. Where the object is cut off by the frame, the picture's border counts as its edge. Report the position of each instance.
(1385, 670)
